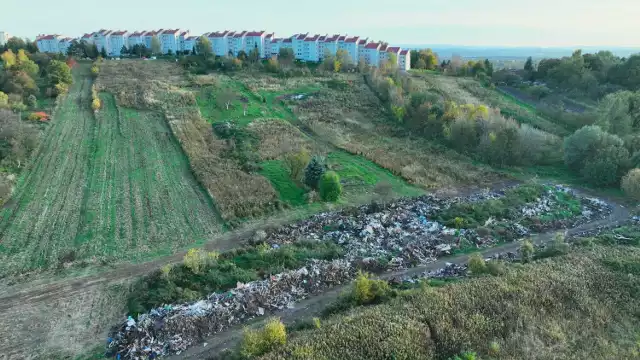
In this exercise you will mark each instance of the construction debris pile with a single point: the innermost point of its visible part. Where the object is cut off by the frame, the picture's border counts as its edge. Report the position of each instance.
(376, 238)
(172, 329)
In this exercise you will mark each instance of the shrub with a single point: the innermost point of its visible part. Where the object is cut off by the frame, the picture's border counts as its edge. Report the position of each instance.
(477, 264)
(38, 116)
(95, 104)
(526, 251)
(297, 162)
(367, 290)
(330, 187)
(32, 101)
(314, 171)
(258, 342)
(631, 184)
(197, 260)
(95, 70)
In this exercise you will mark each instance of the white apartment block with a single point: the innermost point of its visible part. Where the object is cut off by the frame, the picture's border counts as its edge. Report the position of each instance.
(298, 42)
(220, 42)
(255, 40)
(4, 37)
(118, 40)
(404, 60)
(311, 48)
(237, 43)
(169, 41)
(48, 43)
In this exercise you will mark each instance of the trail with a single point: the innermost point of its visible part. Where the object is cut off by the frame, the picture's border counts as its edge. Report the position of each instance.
(314, 305)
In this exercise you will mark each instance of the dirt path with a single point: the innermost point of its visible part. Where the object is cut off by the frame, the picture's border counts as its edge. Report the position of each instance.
(313, 306)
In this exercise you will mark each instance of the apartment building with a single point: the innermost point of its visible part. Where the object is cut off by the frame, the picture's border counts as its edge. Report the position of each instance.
(48, 43)
(305, 47)
(4, 37)
(118, 40)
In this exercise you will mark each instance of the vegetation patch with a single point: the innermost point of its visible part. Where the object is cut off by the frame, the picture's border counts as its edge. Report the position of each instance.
(203, 273)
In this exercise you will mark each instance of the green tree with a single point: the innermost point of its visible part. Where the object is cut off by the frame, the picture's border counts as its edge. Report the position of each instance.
(59, 73)
(477, 264)
(631, 184)
(420, 64)
(204, 46)
(156, 46)
(330, 187)
(619, 113)
(598, 156)
(526, 251)
(254, 54)
(32, 101)
(103, 52)
(314, 171)
(297, 162)
(488, 67)
(4, 100)
(23, 63)
(124, 50)
(429, 57)
(528, 65)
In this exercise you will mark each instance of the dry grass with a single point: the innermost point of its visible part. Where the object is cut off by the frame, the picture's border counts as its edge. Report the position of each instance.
(279, 138)
(236, 193)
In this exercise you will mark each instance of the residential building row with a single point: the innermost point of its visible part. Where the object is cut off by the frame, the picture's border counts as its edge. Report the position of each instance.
(305, 47)
(4, 37)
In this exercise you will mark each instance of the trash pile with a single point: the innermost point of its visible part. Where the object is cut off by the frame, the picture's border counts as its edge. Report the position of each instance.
(375, 237)
(172, 329)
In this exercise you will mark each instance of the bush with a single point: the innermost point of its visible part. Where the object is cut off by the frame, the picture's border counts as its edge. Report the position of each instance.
(95, 104)
(258, 342)
(631, 184)
(32, 101)
(95, 70)
(313, 172)
(477, 264)
(197, 259)
(598, 156)
(526, 251)
(367, 291)
(330, 187)
(38, 116)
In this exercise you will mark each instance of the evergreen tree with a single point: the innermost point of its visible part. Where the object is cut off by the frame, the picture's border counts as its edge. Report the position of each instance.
(314, 171)
(103, 53)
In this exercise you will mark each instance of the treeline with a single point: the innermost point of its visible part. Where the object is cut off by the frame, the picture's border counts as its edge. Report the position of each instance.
(589, 75)
(475, 130)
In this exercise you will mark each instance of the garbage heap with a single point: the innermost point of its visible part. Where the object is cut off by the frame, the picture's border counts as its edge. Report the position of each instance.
(172, 329)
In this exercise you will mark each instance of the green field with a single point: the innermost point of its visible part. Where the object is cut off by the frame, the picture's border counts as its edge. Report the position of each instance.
(109, 186)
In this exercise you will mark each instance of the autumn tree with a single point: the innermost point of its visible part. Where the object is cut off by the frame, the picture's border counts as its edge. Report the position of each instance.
(59, 73)
(156, 46)
(204, 47)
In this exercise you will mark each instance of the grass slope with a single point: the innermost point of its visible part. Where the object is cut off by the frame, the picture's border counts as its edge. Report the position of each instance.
(111, 186)
(536, 311)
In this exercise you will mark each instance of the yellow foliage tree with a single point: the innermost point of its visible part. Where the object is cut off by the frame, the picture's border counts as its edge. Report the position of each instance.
(8, 59)
(297, 162)
(258, 342)
(95, 104)
(4, 100)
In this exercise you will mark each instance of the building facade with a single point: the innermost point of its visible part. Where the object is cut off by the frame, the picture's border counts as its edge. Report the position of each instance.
(170, 41)
(4, 37)
(117, 41)
(48, 43)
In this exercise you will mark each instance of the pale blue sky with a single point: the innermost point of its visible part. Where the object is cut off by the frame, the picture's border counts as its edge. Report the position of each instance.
(461, 22)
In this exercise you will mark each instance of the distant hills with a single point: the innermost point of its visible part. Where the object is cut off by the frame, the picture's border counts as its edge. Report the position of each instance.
(516, 53)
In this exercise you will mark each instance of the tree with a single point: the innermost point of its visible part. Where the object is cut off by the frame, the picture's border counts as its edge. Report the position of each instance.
(8, 59)
(619, 113)
(242, 55)
(272, 66)
(286, 56)
(124, 50)
(429, 57)
(313, 172)
(156, 46)
(103, 52)
(477, 265)
(23, 63)
(420, 64)
(296, 163)
(32, 101)
(598, 156)
(59, 73)
(526, 251)
(488, 67)
(330, 187)
(528, 65)
(4, 100)
(254, 54)
(631, 184)
(204, 47)
(15, 44)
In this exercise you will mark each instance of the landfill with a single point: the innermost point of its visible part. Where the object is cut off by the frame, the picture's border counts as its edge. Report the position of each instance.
(375, 237)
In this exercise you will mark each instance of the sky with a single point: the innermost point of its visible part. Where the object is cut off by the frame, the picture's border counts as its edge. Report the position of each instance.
(540, 23)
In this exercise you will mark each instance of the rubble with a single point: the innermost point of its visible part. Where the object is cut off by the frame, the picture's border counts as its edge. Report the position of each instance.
(375, 237)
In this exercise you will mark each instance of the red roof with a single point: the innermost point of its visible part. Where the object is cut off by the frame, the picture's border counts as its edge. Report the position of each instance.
(192, 37)
(312, 38)
(270, 35)
(256, 33)
(287, 40)
(362, 42)
(322, 38)
(342, 38)
(87, 36)
(220, 33)
(394, 50)
(333, 38)
(240, 34)
(352, 39)
(301, 36)
(119, 32)
(171, 32)
(47, 37)
(372, 46)
(383, 48)
(404, 52)
(184, 33)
